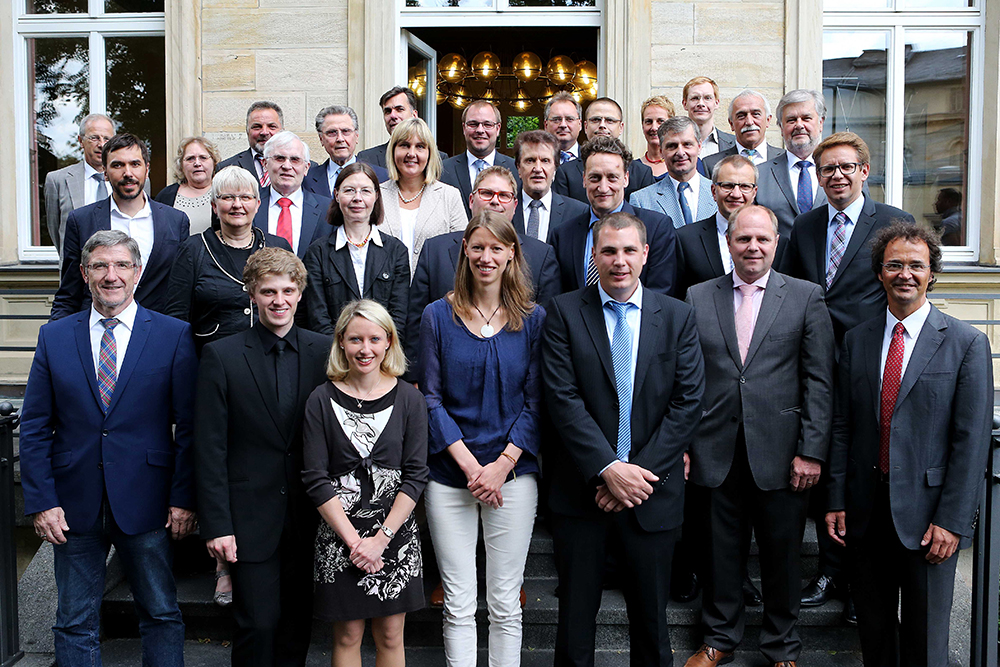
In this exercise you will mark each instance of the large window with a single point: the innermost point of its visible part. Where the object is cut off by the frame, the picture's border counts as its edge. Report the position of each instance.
(80, 57)
(907, 76)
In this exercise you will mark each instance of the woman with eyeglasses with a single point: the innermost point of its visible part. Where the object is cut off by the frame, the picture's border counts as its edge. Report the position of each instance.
(192, 193)
(356, 261)
(654, 113)
(418, 205)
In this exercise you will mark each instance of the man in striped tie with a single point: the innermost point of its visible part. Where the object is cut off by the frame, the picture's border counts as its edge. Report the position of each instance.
(106, 456)
(264, 120)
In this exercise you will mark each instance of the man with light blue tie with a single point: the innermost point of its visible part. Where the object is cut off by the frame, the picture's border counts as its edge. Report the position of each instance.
(749, 118)
(685, 195)
(563, 117)
(337, 127)
(618, 345)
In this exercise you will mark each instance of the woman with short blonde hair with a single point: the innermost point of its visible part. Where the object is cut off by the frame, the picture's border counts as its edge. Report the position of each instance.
(193, 169)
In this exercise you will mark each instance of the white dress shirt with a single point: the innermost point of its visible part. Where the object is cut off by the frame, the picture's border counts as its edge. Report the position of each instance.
(913, 323)
(408, 224)
(710, 144)
(793, 172)
(757, 296)
(690, 195)
(544, 211)
(853, 211)
(722, 226)
(122, 333)
(358, 255)
(633, 317)
(92, 187)
(333, 170)
(761, 156)
(489, 160)
(274, 210)
(139, 227)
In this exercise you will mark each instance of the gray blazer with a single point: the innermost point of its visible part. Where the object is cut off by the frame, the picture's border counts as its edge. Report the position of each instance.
(440, 212)
(776, 192)
(771, 152)
(782, 394)
(940, 429)
(662, 197)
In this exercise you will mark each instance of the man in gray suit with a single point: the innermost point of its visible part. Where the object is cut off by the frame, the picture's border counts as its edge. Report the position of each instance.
(910, 440)
(788, 184)
(684, 195)
(749, 118)
(764, 434)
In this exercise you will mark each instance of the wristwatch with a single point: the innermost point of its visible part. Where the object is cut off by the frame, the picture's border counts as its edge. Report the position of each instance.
(389, 532)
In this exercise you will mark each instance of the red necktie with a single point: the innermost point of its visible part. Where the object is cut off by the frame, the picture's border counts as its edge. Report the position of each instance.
(265, 178)
(285, 220)
(890, 390)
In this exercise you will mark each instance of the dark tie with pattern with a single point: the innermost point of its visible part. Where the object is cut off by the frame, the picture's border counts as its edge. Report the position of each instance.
(533, 218)
(838, 245)
(683, 187)
(804, 197)
(107, 362)
(891, 377)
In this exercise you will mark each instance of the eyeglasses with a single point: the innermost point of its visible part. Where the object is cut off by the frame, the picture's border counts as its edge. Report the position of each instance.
(745, 188)
(487, 124)
(559, 120)
(505, 197)
(896, 267)
(605, 120)
(281, 159)
(191, 159)
(350, 192)
(333, 134)
(101, 268)
(97, 139)
(846, 168)
(229, 199)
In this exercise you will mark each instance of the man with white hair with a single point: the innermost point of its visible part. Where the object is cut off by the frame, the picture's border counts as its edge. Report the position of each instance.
(749, 118)
(286, 209)
(337, 127)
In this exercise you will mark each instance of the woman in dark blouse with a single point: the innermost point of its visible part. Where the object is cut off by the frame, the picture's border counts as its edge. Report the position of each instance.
(206, 282)
(480, 373)
(356, 261)
(365, 450)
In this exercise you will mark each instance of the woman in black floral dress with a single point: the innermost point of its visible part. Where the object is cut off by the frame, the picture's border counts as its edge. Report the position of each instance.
(365, 447)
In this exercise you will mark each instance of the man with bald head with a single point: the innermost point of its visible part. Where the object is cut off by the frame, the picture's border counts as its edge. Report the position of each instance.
(749, 118)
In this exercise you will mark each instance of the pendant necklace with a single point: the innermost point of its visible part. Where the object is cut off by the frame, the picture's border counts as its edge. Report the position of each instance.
(361, 400)
(486, 330)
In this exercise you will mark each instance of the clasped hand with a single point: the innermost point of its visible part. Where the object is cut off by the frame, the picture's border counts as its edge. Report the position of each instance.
(486, 482)
(366, 555)
(625, 485)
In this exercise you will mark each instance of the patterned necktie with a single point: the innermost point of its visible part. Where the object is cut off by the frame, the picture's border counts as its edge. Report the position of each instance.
(592, 276)
(891, 377)
(533, 218)
(751, 154)
(744, 320)
(107, 362)
(682, 187)
(621, 356)
(479, 165)
(837, 247)
(265, 179)
(566, 156)
(804, 197)
(102, 189)
(284, 229)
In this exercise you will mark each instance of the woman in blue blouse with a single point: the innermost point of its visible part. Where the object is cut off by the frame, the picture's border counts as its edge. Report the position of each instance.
(480, 373)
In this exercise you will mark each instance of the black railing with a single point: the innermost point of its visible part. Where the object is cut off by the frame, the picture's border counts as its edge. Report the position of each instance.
(9, 642)
(986, 565)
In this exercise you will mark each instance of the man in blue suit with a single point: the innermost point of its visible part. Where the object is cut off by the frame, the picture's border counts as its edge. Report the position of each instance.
(105, 453)
(157, 229)
(685, 196)
(606, 176)
(337, 127)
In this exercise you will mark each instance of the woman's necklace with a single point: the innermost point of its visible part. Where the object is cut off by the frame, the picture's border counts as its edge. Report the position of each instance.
(362, 244)
(486, 330)
(651, 160)
(414, 197)
(372, 391)
(230, 245)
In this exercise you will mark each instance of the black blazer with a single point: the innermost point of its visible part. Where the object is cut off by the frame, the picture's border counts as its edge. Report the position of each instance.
(455, 172)
(581, 395)
(563, 208)
(569, 180)
(776, 192)
(435, 276)
(316, 182)
(374, 156)
(248, 463)
(170, 228)
(659, 274)
(242, 159)
(856, 295)
(314, 212)
(332, 282)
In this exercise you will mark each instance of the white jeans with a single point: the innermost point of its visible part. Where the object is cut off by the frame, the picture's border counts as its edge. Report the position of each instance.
(452, 516)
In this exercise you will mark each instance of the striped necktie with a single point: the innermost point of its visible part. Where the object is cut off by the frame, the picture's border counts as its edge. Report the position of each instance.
(838, 246)
(621, 356)
(107, 362)
(265, 179)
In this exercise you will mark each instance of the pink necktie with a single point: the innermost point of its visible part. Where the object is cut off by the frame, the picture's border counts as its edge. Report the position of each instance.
(284, 229)
(891, 377)
(744, 320)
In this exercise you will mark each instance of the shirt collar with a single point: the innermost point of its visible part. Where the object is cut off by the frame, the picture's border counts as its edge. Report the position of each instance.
(341, 239)
(268, 338)
(676, 183)
(144, 212)
(635, 299)
(88, 171)
(489, 159)
(296, 197)
(594, 217)
(794, 159)
(574, 149)
(853, 210)
(333, 168)
(913, 322)
(546, 200)
(760, 282)
(721, 224)
(126, 317)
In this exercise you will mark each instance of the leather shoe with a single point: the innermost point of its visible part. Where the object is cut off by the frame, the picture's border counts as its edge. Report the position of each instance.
(785, 663)
(817, 591)
(707, 656)
(751, 594)
(686, 588)
(850, 616)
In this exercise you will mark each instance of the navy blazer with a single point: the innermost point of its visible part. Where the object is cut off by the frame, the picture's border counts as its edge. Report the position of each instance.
(455, 172)
(73, 452)
(569, 180)
(314, 212)
(242, 159)
(375, 156)
(170, 228)
(434, 277)
(563, 209)
(660, 272)
(316, 180)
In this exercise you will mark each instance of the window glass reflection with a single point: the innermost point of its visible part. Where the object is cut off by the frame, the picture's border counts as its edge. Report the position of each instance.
(132, 6)
(56, 7)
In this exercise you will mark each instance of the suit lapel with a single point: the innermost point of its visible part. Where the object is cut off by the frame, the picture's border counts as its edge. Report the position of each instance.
(342, 264)
(309, 356)
(136, 344)
(770, 304)
(462, 172)
(780, 174)
(374, 263)
(256, 360)
(160, 234)
(928, 341)
(649, 336)
(668, 203)
(710, 242)
(706, 203)
(261, 219)
(593, 318)
(310, 220)
(872, 352)
(82, 334)
(727, 317)
(819, 238)
(862, 228)
(75, 180)
(578, 243)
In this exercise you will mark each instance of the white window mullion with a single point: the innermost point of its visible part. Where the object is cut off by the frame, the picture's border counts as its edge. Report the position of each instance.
(98, 74)
(895, 114)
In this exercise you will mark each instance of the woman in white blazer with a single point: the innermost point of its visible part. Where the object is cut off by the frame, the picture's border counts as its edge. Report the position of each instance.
(418, 205)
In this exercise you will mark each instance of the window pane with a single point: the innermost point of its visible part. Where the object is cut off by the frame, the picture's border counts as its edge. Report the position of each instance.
(137, 96)
(132, 6)
(936, 130)
(856, 5)
(518, 124)
(450, 3)
(60, 91)
(553, 3)
(854, 85)
(939, 4)
(56, 7)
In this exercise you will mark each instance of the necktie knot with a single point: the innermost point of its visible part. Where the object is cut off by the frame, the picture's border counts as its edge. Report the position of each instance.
(803, 165)
(619, 308)
(897, 331)
(682, 186)
(748, 291)
(566, 156)
(479, 164)
(284, 202)
(534, 204)
(110, 323)
(750, 153)
(99, 177)
(840, 218)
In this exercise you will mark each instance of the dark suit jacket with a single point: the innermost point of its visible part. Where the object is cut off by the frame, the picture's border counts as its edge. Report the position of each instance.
(776, 192)
(563, 208)
(455, 172)
(660, 272)
(434, 277)
(332, 282)
(582, 398)
(170, 228)
(316, 182)
(940, 429)
(569, 179)
(314, 212)
(712, 160)
(856, 295)
(242, 159)
(781, 394)
(248, 462)
(137, 452)
(375, 155)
